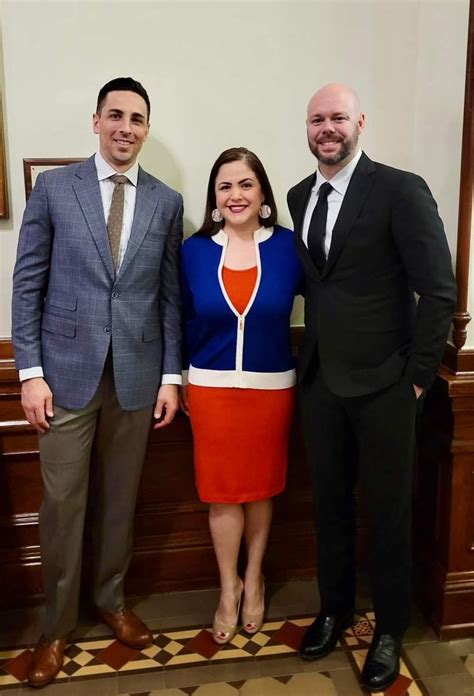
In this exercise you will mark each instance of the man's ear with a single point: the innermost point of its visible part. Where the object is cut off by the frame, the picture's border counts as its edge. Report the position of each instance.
(95, 123)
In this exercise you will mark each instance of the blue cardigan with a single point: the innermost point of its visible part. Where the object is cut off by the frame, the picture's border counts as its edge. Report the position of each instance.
(252, 350)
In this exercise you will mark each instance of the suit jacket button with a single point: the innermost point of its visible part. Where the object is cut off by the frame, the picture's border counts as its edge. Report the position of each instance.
(107, 329)
(115, 295)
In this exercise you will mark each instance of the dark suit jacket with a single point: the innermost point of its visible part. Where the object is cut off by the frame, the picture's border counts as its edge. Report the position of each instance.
(363, 322)
(69, 308)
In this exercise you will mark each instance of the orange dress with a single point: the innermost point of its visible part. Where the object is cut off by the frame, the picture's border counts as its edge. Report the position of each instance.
(240, 435)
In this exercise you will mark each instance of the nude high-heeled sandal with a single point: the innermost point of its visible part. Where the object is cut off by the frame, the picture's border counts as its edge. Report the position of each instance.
(252, 623)
(222, 632)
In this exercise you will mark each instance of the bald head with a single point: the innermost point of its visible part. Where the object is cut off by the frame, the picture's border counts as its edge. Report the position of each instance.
(335, 92)
(334, 123)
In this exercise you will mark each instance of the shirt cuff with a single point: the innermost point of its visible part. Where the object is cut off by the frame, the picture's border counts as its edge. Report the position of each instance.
(171, 379)
(30, 372)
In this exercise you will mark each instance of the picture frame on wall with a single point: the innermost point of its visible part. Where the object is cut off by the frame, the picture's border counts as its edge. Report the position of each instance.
(4, 209)
(34, 166)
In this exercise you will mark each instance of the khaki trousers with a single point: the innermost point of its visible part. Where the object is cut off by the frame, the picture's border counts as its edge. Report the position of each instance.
(65, 454)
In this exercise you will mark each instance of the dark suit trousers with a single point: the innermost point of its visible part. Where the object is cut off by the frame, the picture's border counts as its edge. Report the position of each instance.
(368, 438)
(120, 439)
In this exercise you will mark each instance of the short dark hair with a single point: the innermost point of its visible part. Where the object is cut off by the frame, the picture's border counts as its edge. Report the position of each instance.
(123, 84)
(235, 154)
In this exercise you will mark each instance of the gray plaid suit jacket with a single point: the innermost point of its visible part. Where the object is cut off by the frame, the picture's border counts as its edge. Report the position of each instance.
(69, 309)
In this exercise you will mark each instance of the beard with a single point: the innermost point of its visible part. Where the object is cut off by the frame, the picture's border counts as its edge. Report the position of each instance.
(347, 148)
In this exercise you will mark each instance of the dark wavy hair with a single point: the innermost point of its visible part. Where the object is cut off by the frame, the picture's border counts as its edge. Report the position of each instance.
(236, 154)
(123, 84)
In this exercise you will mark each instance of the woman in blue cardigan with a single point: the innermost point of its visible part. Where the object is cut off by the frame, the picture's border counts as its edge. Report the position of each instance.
(240, 273)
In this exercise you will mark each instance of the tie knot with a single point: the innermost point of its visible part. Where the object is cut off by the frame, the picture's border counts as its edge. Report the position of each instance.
(119, 179)
(324, 190)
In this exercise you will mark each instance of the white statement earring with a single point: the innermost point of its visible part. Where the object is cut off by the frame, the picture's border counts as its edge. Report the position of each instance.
(265, 212)
(216, 216)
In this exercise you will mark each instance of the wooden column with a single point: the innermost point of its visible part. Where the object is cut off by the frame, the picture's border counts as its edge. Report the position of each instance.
(444, 494)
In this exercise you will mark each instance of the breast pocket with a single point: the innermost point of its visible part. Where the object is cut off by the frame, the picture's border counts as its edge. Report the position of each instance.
(157, 232)
(151, 251)
(154, 240)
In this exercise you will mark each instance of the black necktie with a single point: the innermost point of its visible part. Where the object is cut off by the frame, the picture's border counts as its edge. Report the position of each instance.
(317, 227)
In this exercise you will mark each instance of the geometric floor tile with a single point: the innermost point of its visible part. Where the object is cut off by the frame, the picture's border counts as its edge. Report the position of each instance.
(18, 667)
(203, 644)
(175, 649)
(405, 685)
(312, 684)
(187, 662)
(193, 649)
(469, 663)
(289, 635)
(116, 655)
(262, 687)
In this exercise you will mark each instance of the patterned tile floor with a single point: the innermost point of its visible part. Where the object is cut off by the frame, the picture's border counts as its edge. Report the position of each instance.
(185, 661)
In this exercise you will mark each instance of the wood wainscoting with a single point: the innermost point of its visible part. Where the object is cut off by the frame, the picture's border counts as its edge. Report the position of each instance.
(173, 550)
(444, 509)
(172, 547)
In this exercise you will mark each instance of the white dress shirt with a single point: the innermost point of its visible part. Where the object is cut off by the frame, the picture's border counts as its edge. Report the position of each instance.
(104, 172)
(339, 183)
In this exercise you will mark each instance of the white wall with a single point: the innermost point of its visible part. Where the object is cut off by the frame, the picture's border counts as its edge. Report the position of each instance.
(439, 104)
(221, 74)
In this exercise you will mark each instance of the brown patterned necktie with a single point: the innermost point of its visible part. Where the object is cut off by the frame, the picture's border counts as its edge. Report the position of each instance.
(114, 223)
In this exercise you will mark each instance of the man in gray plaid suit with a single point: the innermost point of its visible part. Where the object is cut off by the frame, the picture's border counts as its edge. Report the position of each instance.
(96, 331)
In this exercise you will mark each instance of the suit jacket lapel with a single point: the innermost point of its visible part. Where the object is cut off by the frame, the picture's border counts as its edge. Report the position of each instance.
(86, 186)
(359, 186)
(303, 195)
(145, 206)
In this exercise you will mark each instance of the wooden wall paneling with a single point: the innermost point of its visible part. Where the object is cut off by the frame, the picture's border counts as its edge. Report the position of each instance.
(444, 518)
(462, 316)
(6, 349)
(172, 547)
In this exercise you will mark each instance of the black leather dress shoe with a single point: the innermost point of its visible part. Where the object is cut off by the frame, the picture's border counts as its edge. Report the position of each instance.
(382, 664)
(321, 637)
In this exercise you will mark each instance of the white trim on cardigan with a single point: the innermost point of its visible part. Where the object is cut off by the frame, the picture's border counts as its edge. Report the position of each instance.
(221, 238)
(242, 379)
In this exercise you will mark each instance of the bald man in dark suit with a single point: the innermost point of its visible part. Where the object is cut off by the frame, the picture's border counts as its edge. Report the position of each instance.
(369, 237)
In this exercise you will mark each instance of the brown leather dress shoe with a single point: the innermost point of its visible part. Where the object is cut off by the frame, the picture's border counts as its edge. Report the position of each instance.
(47, 660)
(127, 628)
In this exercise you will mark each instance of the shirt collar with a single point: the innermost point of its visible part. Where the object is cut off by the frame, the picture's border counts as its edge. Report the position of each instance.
(105, 171)
(339, 181)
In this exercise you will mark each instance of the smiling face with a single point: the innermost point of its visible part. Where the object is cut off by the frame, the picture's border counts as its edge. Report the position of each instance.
(238, 195)
(333, 126)
(122, 126)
